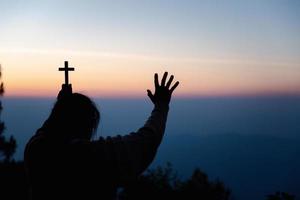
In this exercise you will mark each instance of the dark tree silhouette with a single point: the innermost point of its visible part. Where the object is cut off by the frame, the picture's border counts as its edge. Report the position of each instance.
(281, 196)
(199, 187)
(7, 146)
(163, 183)
(12, 174)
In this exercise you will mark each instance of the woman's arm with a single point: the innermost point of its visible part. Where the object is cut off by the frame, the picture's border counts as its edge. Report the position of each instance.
(130, 155)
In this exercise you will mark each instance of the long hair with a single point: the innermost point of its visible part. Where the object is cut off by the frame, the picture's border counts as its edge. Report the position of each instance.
(73, 116)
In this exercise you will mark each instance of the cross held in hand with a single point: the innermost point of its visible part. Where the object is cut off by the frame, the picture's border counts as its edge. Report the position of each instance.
(66, 69)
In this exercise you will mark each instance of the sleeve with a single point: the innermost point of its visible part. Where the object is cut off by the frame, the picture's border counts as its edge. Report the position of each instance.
(131, 154)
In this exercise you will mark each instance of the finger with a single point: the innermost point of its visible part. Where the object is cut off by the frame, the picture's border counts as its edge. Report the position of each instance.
(156, 80)
(163, 81)
(170, 81)
(174, 86)
(150, 95)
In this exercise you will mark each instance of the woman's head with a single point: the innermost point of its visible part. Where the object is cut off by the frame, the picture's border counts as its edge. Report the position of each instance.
(74, 116)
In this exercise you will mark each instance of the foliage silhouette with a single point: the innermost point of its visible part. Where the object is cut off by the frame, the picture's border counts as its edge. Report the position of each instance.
(13, 184)
(7, 146)
(12, 175)
(281, 196)
(163, 183)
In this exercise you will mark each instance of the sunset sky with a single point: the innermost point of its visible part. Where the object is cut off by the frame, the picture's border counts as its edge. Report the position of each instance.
(214, 48)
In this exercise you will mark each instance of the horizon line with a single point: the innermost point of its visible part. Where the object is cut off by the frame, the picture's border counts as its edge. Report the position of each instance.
(205, 96)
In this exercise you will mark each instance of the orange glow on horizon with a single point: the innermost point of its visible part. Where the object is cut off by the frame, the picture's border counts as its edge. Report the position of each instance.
(127, 76)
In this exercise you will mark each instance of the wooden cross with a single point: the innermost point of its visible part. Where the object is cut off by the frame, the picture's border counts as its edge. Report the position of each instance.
(66, 69)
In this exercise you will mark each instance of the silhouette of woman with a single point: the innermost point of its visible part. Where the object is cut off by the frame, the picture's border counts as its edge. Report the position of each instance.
(62, 162)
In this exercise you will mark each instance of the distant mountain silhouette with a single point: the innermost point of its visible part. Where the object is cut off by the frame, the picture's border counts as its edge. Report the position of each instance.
(261, 162)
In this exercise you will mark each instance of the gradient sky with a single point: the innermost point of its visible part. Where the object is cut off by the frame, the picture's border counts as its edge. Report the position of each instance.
(212, 47)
